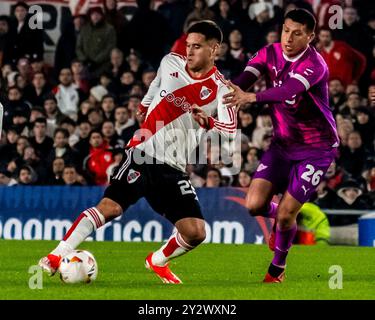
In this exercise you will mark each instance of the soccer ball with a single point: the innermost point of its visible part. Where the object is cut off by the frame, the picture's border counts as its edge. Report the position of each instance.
(78, 266)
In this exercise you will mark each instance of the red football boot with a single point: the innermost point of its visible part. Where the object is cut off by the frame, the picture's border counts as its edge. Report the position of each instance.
(164, 273)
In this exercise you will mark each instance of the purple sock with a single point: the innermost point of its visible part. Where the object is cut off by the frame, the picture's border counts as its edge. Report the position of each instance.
(283, 241)
(272, 210)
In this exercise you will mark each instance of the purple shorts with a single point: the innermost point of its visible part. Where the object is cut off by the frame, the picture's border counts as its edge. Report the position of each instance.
(299, 177)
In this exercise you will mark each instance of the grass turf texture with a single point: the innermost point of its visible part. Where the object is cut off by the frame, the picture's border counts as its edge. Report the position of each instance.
(212, 271)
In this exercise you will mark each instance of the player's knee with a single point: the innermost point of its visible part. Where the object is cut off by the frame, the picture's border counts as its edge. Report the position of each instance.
(110, 209)
(196, 235)
(285, 220)
(256, 209)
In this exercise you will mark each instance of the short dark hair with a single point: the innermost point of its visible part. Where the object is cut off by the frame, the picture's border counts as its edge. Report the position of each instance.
(302, 16)
(208, 28)
(63, 131)
(40, 120)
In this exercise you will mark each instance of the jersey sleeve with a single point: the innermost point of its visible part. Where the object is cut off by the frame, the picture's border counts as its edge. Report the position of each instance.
(309, 73)
(154, 87)
(254, 69)
(226, 122)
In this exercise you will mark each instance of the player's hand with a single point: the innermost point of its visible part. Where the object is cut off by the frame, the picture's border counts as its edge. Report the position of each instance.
(200, 116)
(141, 113)
(237, 97)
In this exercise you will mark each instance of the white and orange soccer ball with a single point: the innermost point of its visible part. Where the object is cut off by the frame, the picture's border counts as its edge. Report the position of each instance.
(78, 266)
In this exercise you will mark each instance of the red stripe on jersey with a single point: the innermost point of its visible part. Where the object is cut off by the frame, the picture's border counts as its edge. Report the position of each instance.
(170, 108)
(74, 226)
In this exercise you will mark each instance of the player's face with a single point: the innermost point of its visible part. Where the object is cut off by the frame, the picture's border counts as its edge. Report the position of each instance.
(200, 52)
(295, 38)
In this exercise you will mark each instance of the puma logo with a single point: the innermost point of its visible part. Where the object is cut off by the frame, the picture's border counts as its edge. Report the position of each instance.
(305, 190)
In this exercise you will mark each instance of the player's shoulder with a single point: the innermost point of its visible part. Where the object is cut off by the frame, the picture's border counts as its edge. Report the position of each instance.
(220, 81)
(173, 57)
(315, 59)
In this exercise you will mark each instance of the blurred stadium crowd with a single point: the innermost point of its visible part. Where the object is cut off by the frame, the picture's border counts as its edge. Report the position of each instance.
(67, 123)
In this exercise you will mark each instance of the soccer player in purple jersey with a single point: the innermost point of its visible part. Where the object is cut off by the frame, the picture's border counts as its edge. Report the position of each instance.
(305, 139)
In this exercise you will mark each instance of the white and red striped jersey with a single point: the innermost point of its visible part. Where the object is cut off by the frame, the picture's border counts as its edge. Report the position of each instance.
(170, 134)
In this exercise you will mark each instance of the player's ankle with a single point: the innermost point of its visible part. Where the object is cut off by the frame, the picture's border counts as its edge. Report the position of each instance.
(275, 271)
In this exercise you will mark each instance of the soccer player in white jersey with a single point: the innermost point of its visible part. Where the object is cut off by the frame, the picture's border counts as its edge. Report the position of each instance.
(183, 97)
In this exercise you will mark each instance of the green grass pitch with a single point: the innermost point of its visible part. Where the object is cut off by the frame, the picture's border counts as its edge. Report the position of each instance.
(212, 271)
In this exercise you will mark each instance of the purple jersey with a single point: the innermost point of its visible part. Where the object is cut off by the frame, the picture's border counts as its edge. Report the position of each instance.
(297, 91)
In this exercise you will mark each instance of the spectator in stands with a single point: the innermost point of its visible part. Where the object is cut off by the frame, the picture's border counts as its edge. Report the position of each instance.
(114, 17)
(40, 141)
(55, 178)
(351, 196)
(61, 148)
(80, 76)
(262, 20)
(70, 125)
(124, 125)
(353, 156)
(244, 179)
(326, 196)
(20, 122)
(66, 93)
(272, 37)
(225, 18)
(354, 32)
(352, 104)
(70, 176)
(54, 115)
(227, 65)
(8, 150)
(344, 62)
(28, 41)
(6, 178)
(37, 90)
(344, 127)
(66, 44)
(107, 106)
(213, 178)
(99, 158)
(82, 146)
(237, 49)
(6, 41)
(110, 135)
(30, 158)
(95, 42)
(201, 11)
(247, 123)
(95, 117)
(27, 176)
(117, 64)
(365, 125)
(337, 96)
(252, 160)
(15, 102)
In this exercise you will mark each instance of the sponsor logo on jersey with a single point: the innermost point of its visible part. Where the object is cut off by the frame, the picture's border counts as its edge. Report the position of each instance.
(177, 101)
(174, 74)
(305, 189)
(133, 176)
(205, 93)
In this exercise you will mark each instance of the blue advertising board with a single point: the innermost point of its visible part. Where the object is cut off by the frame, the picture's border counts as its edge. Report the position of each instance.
(31, 213)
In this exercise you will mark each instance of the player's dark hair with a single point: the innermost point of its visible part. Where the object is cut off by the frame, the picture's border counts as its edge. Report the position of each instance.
(208, 28)
(302, 16)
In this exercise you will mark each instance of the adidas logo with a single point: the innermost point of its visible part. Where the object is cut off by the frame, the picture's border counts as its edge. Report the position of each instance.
(174, 74)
